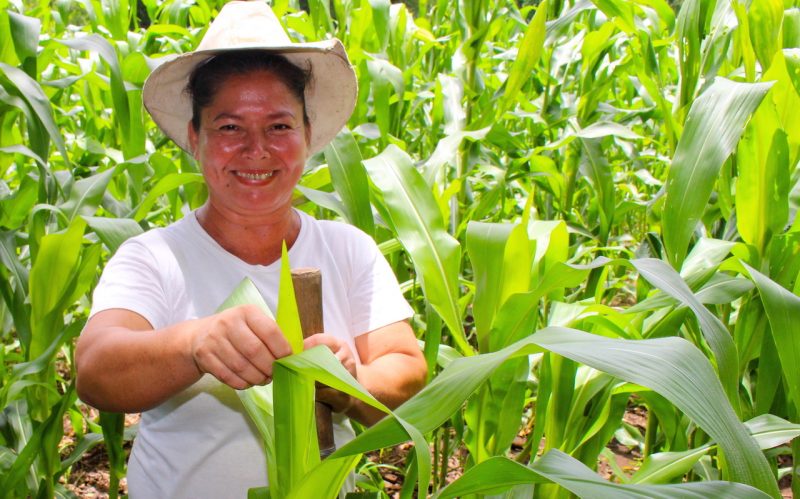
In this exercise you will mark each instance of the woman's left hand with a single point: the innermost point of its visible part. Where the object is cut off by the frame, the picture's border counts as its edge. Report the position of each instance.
(389, 365)
(339, 402)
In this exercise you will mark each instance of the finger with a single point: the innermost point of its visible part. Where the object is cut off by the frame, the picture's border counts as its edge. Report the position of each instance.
(321, 339)
(244, 368)
(233, 353)
(268, 333)
(339, 348)
(252, 350)
(219, 370)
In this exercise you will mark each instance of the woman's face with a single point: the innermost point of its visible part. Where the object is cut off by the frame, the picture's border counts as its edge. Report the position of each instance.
(252, 145)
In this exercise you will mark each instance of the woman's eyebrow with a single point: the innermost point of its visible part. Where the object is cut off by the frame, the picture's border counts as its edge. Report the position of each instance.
(274, 115)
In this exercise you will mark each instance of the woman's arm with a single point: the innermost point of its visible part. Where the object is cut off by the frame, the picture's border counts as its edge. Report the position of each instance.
(392, 369)
(124, 365)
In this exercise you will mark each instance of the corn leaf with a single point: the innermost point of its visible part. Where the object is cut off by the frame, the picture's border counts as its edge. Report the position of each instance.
(85, 195)
(257, 400)
(766, 19)
(771, 431)
(16, 291)
(719, 339)
(785, 95)
(288, 318)
(528, 54)
(783, 311)
(597, 170)
(49, 429)
(704, 260)
(517, 317)
(350, 180)
(61, 273)
(296, 450)
(560, 468)
(113, 231)
(446, 152)
(768, 430)
(485, 247)
(166, 184)
(296, 454)
(43, 126)
(420, 228)
(321, 365)
(670, 366)
(119, 96)
(762, 188)
(664, 467)
(715, 123)
(25, 34)
(618, 10)
(678, 371)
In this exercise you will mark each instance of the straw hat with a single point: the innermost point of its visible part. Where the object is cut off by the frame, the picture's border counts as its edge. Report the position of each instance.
(330, 95)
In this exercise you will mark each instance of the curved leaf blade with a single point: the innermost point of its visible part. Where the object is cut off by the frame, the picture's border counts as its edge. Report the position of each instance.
(32, 93)
(715, 123)
(558, 467)
(783, 311)
(719, 339)
(420, 228)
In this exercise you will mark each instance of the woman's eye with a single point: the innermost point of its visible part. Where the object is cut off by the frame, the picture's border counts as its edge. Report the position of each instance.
(281, 126)
(229, 128)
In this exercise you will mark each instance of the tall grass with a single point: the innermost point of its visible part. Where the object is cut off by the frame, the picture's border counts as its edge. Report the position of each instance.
(591, 205)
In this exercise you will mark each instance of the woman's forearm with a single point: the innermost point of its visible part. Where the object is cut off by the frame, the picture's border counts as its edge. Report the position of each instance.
(122, 369)
(125, 365)
(392, 379)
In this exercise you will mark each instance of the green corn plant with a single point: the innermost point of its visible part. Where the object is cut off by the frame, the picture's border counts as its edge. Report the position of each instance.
(722, 110)
(467, 374)
(414, 216)
(291, 460)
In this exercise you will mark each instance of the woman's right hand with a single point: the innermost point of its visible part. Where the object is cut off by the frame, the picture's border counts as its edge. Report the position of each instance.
(124, 365)
(238, 346)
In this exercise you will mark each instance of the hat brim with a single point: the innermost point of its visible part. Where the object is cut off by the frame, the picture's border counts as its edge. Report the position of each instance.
(330, 95)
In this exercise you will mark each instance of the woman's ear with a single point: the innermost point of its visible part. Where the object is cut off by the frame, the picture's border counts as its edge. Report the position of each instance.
(191, 133)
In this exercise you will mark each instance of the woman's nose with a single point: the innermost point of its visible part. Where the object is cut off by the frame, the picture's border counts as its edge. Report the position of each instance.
(257, 145)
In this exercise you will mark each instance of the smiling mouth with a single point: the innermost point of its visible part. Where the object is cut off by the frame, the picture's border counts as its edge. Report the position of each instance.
(254, 176)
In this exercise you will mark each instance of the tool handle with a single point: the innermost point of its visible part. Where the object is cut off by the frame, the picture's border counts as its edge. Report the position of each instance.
(307, 284)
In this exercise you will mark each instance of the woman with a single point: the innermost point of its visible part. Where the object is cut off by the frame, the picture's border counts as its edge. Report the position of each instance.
(253, 107)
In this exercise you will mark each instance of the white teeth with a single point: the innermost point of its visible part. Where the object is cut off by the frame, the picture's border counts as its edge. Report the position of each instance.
(254, 176)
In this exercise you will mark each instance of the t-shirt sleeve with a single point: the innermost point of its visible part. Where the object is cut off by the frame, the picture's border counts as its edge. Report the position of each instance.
(375, 296)
(134, 280)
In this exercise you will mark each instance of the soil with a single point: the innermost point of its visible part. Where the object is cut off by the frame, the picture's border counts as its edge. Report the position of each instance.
(89, 476)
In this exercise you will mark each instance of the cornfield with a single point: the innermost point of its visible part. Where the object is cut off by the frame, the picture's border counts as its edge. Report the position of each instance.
(590, 204)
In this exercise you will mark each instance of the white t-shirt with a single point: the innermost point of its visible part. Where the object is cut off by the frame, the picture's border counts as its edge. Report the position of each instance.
(201, 443)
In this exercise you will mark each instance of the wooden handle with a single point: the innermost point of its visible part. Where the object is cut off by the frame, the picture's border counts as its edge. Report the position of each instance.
(307, 284)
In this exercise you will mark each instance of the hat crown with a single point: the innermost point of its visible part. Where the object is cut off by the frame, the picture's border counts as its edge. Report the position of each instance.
(242, 24)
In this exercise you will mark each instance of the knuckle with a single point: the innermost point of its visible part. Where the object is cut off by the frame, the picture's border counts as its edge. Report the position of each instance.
(252, 350)
(238, 365)
(249, 309)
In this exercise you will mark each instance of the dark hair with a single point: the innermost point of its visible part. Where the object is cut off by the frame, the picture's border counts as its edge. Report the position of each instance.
(207, 78)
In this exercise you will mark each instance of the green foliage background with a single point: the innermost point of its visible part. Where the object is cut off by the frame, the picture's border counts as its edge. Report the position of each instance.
(590, 204)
